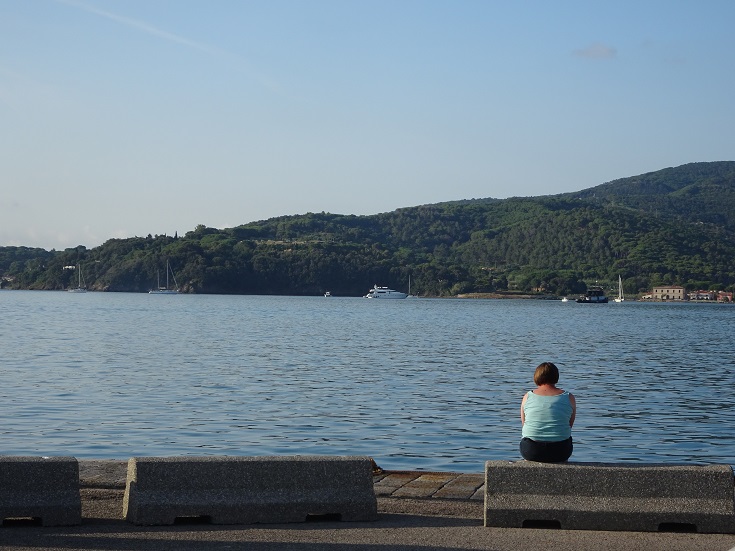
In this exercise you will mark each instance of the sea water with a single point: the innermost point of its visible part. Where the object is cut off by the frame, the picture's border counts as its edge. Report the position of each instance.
(428, 384)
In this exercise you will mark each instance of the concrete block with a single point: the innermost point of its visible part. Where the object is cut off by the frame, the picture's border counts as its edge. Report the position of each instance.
(45, 488)
(247, 490)
(610, 496)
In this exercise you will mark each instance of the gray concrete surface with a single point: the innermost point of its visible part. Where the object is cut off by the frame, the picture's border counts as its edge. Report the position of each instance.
(46, 488)
(610, 496)
(417, 511)
(248, 490)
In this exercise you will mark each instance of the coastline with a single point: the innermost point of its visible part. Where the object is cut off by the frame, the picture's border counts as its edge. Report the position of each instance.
(522, 296)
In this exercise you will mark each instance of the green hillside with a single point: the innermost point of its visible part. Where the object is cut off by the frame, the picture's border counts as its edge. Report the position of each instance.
(673, 226)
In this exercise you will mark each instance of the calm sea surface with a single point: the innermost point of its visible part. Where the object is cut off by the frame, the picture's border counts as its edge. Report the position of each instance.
(425, 384)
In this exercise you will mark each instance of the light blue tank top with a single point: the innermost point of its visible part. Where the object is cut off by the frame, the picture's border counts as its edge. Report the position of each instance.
(547, 417)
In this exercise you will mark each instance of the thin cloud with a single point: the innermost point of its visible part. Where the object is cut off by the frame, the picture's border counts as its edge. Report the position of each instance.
(596, 51)
(147, 28)
(141, 26)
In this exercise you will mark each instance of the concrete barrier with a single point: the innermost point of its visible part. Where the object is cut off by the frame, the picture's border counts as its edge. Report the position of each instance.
(610, 496)
(247, 490)
(44, 489)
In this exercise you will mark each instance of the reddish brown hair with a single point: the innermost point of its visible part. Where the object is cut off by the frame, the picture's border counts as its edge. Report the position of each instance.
(546, 374)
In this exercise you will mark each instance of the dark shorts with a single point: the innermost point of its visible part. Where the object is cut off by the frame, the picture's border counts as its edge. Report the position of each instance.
(546, 452)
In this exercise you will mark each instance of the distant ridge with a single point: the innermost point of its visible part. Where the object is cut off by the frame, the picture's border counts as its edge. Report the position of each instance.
(701, 192)
(672, 226)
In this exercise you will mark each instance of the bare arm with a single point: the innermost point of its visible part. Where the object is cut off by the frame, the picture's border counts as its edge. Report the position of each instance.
(573, 401)
(523, 404)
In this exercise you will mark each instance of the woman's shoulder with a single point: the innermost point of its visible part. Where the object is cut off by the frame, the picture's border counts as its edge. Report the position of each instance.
(546, 392)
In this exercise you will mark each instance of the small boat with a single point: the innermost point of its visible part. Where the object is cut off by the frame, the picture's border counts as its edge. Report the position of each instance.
(81, 287)
(384, 292)
(594, 295)
(620, 297)
(327, 294)
(165, 290)
(409, 288)
(564, 299)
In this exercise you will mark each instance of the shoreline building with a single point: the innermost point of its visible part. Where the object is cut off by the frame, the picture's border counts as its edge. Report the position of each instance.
(673, 292)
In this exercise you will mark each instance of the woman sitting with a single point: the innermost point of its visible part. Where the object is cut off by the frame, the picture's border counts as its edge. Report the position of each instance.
(547, 415)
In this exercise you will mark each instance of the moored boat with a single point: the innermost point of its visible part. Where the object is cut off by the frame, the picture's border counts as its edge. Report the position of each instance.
(594, 295)
(384, 292)
(409, 288)
(166, 290)
(81, 287)
(621, 296)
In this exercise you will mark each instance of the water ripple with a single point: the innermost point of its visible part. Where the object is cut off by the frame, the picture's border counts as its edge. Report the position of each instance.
(418, 384)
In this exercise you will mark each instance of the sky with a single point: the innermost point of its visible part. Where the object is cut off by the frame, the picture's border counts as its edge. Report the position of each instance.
(122, 118)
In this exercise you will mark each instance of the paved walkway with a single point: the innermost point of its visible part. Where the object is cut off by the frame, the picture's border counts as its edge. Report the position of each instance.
(421, 485)
(399, 484)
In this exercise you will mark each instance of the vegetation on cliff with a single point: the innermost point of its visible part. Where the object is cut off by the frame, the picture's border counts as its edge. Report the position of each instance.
(673, 226)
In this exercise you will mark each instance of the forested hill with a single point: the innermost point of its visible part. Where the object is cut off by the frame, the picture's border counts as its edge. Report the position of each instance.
(697, 192)
(672, 226)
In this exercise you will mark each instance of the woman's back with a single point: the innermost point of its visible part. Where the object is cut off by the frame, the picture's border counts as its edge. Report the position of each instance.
(547, 417)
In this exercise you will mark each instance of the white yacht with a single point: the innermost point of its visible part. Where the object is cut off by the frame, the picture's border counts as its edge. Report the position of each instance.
(384, 292)
(621, 296)
(166, 290)
(81, 287)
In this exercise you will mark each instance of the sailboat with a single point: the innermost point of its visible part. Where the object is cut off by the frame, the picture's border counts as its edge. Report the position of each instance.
(81, 288)
(165, 290)
(620, 297)
(409, 288)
